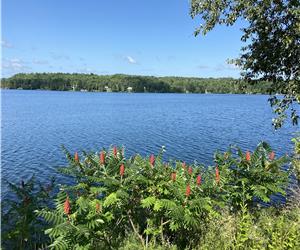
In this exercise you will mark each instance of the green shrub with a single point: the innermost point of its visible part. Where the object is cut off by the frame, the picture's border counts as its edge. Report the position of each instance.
(20, 227)
(252, 178)
(167, 204)
(268, 228)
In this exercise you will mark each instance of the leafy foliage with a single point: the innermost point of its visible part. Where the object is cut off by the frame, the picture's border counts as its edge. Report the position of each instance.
(267, 228)
(21, 229)
(254, 179)
(146, 203)
(272, 53)
(156, 202)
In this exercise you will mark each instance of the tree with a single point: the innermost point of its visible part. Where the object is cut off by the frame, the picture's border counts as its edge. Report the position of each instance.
(272, 53)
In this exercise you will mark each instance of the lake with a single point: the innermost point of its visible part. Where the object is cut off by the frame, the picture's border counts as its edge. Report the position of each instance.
(191, 127)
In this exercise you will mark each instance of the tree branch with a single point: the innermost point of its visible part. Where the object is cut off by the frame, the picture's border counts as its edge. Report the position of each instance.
(135, 229)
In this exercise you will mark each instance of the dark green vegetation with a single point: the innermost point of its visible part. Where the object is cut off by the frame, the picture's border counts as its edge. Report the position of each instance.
(145, 203)
(121, 83)
(20, 227)
(272, 35)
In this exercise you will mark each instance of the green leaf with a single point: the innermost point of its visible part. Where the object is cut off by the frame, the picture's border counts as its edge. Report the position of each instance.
(110, 200)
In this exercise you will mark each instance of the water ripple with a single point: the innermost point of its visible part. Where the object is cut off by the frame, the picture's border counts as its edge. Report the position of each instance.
(36, 123)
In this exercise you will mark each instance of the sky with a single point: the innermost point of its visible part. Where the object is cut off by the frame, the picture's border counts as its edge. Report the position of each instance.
(107, 37)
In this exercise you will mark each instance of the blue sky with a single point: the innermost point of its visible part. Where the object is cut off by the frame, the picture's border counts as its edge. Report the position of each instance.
(107, 37)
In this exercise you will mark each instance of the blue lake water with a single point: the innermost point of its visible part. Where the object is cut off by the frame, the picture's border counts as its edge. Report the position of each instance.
(190, 126)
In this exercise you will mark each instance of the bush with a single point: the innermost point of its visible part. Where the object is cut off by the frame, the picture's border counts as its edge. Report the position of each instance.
(168, 204)
(21, 228)
(252, 178)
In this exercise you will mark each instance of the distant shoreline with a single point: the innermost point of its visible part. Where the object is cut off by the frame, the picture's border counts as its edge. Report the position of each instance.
(133, 84)
(125, 92)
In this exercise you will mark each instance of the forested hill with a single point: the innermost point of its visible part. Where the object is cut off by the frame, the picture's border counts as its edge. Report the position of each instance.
(131, 83)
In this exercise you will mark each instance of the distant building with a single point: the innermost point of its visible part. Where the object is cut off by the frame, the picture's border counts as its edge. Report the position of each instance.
(107, 89)
(129, 89)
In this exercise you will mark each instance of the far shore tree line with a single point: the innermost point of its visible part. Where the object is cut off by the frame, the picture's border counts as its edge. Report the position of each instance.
(133, 83)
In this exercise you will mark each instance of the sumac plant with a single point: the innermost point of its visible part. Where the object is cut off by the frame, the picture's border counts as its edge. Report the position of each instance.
(165, 203)
(252, 178)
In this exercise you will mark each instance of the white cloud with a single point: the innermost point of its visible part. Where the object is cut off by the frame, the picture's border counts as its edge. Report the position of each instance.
(14, 64)
(6, 44)
(131, 60)
(15, 60)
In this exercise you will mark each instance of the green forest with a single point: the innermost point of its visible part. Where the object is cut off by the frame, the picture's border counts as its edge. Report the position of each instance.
(133, 83)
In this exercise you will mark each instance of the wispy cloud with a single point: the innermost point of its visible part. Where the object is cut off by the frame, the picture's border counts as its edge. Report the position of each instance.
(226, 66)
(131, 60)
(40, 62)
(202, 67)
(56, 56)
(6, 44)
(14, 64)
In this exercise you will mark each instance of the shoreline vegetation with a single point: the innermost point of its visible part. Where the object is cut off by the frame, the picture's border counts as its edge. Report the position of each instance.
(133, 83)
(146, 203)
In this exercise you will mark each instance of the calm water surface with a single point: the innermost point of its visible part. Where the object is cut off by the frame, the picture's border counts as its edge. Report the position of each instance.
(191, 126)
